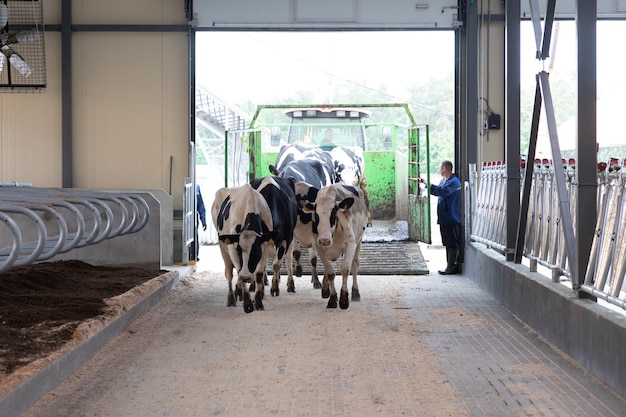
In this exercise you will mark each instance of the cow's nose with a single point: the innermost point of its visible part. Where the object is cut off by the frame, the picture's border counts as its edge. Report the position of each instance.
(323, 242)
(246, 278)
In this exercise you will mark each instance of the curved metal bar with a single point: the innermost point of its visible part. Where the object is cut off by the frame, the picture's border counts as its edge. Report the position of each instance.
(146, 212)
(72, 239)
(41, 229)
(52, 248)
(11, 256)
(134, 213)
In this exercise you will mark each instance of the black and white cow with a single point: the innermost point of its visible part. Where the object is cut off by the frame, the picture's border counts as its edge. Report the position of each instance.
(279, 193)
(301, 163)
(339, 222)
(313, 168)
(244, 224)
(349, 166)
(303, 233)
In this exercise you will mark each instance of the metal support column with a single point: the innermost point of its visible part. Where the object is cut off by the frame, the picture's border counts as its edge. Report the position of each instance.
(67, 119)
(586, 157)
(471, 88)
(512, 124)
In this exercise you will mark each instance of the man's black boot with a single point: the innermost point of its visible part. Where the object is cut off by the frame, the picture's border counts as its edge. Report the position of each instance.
(452, 268)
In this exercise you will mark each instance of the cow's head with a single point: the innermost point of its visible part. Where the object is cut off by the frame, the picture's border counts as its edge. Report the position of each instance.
(326, 211)
(249, 247)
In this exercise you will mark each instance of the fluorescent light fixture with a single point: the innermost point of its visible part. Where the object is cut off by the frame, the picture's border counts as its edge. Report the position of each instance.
(297, 113)
(354, 114)
(341, 113)
(311, 113)
(422, 6)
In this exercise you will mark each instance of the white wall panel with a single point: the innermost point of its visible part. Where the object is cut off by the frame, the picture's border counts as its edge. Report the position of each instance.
(130, 107)
(128, 12)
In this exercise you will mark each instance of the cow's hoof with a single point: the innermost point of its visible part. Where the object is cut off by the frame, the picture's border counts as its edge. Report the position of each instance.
(239, 293)
(343, 301)
(258, 304)
(248, 307)
(291, 289)
(231, 302)
(356, 296)
(316, 283)
(275, 292)
(332, 302)
(326, 293)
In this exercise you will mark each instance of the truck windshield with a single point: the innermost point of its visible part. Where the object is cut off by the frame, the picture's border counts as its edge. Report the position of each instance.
(327, 132)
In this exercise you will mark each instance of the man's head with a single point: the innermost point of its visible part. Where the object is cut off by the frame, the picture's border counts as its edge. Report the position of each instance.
(445, 169)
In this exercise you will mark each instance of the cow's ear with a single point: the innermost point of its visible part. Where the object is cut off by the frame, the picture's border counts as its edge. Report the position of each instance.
(307, 207)
(273, 170)
(229, 239)
(346, 203)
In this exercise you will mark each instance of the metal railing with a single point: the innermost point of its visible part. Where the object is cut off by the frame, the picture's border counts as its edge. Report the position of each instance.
(44, 222)
(544, 236)
(189, 221)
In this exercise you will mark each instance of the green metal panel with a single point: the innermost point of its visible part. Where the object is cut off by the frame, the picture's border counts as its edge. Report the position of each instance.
(254, 149)
(381, 184)
(267, 159)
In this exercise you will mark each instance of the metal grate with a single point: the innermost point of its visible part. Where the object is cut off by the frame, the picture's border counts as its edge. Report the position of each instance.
(22, 46)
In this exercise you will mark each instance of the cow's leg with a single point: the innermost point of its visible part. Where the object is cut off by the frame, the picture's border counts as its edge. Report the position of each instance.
(326, 280)
(329, 281)
(296, 257)
(356, 295)
(258, 294)
(349, 259)
(275, 290)
(314, 278)
(291, 285)
(228, 273)
(248, 307)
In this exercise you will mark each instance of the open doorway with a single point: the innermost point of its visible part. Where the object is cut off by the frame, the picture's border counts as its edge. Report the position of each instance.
(242, 70)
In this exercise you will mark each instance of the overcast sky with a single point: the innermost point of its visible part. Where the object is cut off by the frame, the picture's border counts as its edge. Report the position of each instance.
(256, 65)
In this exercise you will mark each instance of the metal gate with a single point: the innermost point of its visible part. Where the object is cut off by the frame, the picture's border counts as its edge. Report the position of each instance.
(419, 198)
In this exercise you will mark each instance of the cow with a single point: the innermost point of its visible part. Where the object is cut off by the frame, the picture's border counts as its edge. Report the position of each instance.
(340, 219)
(301, 163)
(304, 232)
(244, 224)
(279, 193)
(349, 166)
(313, 168)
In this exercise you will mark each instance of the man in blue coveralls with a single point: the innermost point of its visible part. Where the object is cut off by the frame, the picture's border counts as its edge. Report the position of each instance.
(449, 216)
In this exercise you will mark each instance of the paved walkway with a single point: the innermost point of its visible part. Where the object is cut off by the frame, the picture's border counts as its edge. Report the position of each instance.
(423, 345)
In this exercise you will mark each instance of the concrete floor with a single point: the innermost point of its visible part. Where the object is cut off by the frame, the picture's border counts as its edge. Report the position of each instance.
(425, 345)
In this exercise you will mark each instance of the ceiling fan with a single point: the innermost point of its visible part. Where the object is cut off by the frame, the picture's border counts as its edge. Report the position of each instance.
(8, 39)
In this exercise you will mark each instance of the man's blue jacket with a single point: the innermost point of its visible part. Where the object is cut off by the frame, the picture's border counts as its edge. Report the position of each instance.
(449, 202)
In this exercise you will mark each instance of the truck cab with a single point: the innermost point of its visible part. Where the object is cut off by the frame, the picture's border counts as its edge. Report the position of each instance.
(327, 128)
